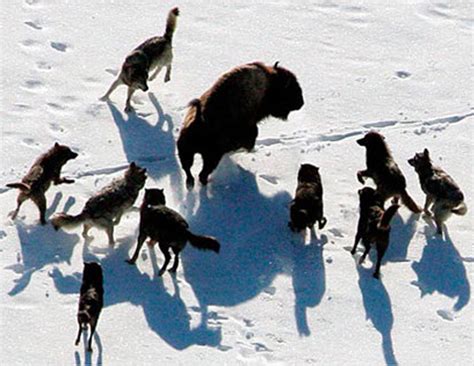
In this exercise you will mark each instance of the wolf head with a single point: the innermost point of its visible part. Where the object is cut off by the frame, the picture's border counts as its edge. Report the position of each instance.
(286, 93)
(135, 70)
(154, 197)
(369, 197)
(308, 173)
(92, 273)
(136, 175)
(63, 152)
(421, 161)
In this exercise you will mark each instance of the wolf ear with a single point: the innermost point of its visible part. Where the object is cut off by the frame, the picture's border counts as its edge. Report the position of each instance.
(426, 153)
(133, 165)
(56, 144)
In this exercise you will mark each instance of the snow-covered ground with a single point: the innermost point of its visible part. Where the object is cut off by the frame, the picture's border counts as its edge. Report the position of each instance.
(404, 68)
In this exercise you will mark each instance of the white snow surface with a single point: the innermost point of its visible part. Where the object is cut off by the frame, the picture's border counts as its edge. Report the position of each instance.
(270, 296)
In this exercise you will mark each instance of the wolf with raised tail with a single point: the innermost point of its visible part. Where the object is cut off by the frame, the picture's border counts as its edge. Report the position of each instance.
(150, 56)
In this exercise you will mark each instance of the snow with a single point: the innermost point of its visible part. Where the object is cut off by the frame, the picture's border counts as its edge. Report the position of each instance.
(269, 296)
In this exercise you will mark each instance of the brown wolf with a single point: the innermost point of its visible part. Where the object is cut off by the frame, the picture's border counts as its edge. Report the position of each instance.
(374, 225)
(442, 192)
(167, 227)
(91, 300)
(307, 206)
(225, 117)
(153, 54)
(106, 207)
(44, 171)
(381, 167)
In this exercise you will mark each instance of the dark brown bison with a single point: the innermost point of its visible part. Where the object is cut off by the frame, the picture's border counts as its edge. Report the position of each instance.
(225, 117)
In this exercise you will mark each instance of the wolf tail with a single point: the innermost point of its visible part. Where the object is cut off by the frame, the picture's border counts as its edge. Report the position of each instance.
(171, 23)
(22, 186)
(408, 201)
(387, 216)
(204, 242)
(65, 220)
(461, 210)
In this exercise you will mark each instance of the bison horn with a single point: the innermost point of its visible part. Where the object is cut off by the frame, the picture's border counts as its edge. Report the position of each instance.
(276, 64)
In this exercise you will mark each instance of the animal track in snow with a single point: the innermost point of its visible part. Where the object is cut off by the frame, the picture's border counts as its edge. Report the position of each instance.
(43, 66)
(269, 178)
(29, 43)
(34, 25)
(33, 85)
(402, 74)
(60, 46)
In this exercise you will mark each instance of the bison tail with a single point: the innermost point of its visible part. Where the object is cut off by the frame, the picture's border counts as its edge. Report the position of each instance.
(196, 104)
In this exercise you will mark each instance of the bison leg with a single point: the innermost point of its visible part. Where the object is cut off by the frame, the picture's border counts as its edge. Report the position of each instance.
(211, 160)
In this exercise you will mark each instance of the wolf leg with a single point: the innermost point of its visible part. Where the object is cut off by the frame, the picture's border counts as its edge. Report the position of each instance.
(168, 73)
(366, 251)
(176, 251)
(165, 250)
(356, 241)
(381, 248)
(428, 202)
(155, 73)
(40, 201)
(141, 239)
(110, 233)
(114, 86)
(19, 201)
(93, 326)
(78, 338)
(128, 106)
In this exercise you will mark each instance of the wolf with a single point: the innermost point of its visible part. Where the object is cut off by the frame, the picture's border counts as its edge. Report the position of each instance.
(381, 167)
(225, 117)
(167, 227)
(91, 300)
(45, 170)
(106, 207)
(150, 56)
(374, 225)
(443, 195)
(307, 206)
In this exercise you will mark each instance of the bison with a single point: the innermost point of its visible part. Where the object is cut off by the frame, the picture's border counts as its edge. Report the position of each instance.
(225, 117)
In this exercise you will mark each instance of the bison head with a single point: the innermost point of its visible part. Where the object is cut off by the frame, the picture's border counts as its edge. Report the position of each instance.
(286, 93)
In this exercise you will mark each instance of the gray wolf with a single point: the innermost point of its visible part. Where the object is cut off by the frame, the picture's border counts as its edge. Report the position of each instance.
(167, 227)
(44, 171)
(386, 174)
(374, 225)
(106, 207)
(307, 206)
(225, 117)
(150, 56)
(91, 300)
(443, 195)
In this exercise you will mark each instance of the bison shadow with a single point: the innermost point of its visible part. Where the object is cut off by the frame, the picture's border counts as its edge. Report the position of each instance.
(378, 310)
(256, 245)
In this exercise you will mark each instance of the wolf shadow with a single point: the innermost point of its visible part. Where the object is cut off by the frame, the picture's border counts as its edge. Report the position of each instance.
(40, 246)
(165, 313)
(309, 280)
(151, 146)
(378, 309)
(441, 269)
